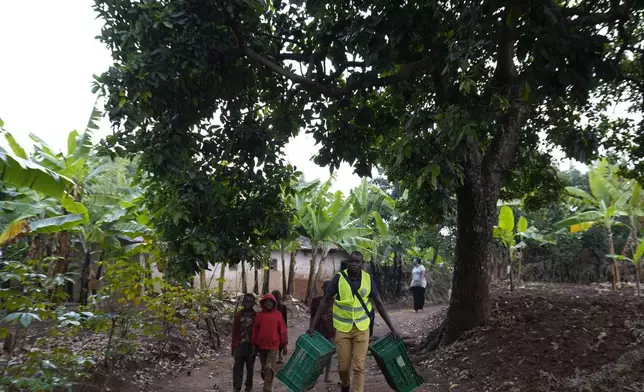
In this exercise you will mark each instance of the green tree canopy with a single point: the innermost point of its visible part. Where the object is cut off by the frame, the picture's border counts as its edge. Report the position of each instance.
(449, 97)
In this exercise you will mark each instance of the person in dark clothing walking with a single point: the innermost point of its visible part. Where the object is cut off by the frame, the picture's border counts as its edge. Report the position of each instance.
(325, 325)
(242, 348)
(284, 311)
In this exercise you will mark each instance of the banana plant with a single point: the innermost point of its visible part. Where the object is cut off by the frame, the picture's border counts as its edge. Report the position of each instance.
(27, 212)
(638, 253)
(325, 219)
(508, 233)
(368, 198)
(77, 162)
(19, 171)
(606, 202)
(635, 211)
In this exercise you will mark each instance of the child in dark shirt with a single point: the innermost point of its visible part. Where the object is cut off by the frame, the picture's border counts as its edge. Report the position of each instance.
(242, 348)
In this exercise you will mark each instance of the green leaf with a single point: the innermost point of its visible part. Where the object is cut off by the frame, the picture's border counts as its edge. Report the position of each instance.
(42, 145)
(95, 235)
(71, 143)
(23, 173)
(522, 226)
(506, 219)
(15, 147)
(131, 228)
(27, 318)
(11, 317)
(94, 118)
(143, 219)
(581, 194)
(637, 257)
(526, 91)
(636, 193)
(57, 223)
(581, 218)
(381, 226)
(83, 146)
(600, 184)
(74, 207)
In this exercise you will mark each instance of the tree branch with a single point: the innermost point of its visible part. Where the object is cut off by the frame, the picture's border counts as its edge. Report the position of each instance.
(500, 154)
(364, 80)
(306, 83)
(306, 58)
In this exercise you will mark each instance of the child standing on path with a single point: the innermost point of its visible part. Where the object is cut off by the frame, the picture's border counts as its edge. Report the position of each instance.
(242, 348)
(270, 336)
(282, 309)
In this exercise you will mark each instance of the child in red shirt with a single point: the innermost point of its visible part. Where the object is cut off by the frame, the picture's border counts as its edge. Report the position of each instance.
(269, 337)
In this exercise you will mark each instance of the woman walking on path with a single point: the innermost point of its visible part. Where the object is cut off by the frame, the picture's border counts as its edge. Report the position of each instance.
(418, 285)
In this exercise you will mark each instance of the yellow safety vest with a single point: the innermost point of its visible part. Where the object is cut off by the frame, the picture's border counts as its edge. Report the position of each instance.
(347, 310)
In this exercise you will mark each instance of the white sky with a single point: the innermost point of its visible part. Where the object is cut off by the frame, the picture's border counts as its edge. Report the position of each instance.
(49, 54)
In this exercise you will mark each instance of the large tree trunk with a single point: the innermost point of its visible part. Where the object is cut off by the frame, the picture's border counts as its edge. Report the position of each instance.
(291, 273)
(202, 280)
(256, 281)
(266, 278)
(283, 271)
(470, 300)
(243, 277)
(309, 285)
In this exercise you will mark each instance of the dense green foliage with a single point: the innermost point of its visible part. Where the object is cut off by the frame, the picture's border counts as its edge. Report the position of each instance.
(449, 98)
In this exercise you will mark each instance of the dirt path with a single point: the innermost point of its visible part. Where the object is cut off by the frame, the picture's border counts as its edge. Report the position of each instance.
(217, 375)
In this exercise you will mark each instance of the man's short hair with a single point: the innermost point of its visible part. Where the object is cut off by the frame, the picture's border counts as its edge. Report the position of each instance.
(356, 253)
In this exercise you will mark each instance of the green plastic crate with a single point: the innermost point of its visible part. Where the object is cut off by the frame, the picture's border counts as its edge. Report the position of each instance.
(392, 359)
(311, 355)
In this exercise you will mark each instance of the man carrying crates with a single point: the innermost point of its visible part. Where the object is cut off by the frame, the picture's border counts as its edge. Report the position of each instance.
(355, 296)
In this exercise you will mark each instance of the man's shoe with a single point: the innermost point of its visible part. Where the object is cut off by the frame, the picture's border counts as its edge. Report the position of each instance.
(345, 389)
